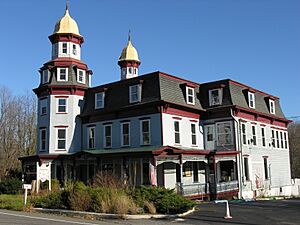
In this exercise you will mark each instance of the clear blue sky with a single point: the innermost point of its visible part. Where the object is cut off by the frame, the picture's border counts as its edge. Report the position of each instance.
(255, 42)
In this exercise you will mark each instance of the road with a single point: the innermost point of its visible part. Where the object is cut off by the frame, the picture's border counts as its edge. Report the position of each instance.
(280, 212)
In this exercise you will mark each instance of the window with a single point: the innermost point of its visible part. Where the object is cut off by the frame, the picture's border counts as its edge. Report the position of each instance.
(194, 135)
(99, 100)
(43, 107)
(281, 139)
(266, 169)
(123, 71)
(224, 133)
(272, 106)
(177, 132)
(45, 76)
(190, 95)
(64, 48)
(108, 136)
(91, 137)
(125, 134)
(215, 97)
(81, 76)
(251, 100)
(130, 70)
(135, 93)
(62, 105)
(285, 140)
(74, 50)
(273, 138)
(246, 169)
(244, 134)
(61, 139)
(277, 139)
(209, 133)
(145, 132)
(263, 137)
(62, 74)
(43, 140)
(254, 142)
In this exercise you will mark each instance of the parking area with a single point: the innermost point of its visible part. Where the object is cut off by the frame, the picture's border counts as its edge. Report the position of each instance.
(248, 213)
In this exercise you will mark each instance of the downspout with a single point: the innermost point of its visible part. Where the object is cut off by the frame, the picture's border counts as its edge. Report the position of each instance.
(240, 149)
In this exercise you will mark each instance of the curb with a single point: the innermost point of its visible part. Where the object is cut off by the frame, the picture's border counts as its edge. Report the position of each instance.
(97, 216)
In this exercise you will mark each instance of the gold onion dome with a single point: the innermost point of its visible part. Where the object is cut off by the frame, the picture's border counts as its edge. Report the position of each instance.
(129, 53)
(66, 25)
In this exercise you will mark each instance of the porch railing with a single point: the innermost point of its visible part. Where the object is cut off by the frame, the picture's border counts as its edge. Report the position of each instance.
(192, 189)
(227, 186)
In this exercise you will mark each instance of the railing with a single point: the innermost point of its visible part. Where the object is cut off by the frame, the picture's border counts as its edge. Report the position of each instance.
(227, 186)
(192, 189)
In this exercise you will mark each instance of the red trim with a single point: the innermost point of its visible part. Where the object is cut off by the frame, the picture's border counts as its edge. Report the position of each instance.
(227, 193)
(61, 96)
(66, 38)
(277, 128)
(176, 118)
(262, 125)
(61, 113)
(129, 63)
(194, 121)
(61, 126)
(179, 112)
(67, 92)
(253, 123)
(252, 89)
(187, 82)
(199, 196)
(265, 157)
(65, 62)
(245, 155)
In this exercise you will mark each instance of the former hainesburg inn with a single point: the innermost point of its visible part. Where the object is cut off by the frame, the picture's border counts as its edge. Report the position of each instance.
(219, 139)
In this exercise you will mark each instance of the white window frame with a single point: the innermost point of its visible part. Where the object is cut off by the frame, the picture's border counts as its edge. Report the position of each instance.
(281, 139)
(123, 135)
(139, 93)
(45, 74)
(266, 168)
(277, 139)
(59, 71)
(105, 136)
(272, 106)
(83, 76)
(244, 134)
(58, 105)
(194, 134)
(142, 133)
(62, 48)
(176, 132)
(251, 100)
(231, 133)
(99, 99)
(285, 136)
(41, 139)
(58, 139)
(254, 134)
(89, 137)
(273, 138)
(74, 50)
(212, 101)
(43, 104)
(246, 168)
(263, 137)
(192, 95)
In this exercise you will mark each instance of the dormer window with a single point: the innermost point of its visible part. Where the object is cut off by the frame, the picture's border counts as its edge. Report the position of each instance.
(81, 76)
(215, 97)
(190, 95)
(74, 50)
(45, 76)
(99, 100)
(135, 93)
(251, 100)
(62, 74)
(272, 106)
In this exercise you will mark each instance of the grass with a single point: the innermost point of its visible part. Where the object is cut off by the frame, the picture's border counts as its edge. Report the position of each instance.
(12, 202)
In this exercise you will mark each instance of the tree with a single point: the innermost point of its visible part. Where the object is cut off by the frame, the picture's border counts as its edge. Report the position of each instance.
(17, 129)
(294, 142)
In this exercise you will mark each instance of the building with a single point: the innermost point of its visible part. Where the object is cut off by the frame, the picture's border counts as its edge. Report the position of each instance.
(212, 140)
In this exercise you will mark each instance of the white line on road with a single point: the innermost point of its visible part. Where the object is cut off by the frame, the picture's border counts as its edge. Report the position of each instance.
(48, 219)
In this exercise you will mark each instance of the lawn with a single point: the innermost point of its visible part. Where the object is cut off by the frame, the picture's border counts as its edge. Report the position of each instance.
(12, 202)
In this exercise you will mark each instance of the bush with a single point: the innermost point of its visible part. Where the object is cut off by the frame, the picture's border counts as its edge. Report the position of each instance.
(52, 200)
(164, 200)
(12, 202)
(11, 186)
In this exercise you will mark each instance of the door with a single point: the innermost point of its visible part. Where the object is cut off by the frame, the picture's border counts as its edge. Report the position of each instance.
(210, 137)
(170, 175)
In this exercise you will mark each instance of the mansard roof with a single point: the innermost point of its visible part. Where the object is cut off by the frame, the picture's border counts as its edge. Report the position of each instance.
(157, 87)
(236, 94)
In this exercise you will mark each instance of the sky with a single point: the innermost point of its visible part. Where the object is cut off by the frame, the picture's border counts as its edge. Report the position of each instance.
(254, 42)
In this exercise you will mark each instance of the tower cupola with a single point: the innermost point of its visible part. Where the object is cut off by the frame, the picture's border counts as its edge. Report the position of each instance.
(129, 61)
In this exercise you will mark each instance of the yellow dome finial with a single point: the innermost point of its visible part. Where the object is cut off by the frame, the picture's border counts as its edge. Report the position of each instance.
(66, 25)
(129, 53)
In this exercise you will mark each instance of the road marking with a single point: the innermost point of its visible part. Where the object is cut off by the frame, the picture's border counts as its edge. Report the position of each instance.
(48, 219)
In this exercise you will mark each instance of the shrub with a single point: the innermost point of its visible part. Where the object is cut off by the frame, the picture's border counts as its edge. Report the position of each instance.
(105, 179)
(12, 202)
(164, 200)
(149, 207)
(51, 200)
(11, 186)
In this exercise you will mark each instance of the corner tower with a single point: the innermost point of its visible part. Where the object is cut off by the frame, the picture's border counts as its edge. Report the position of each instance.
(63, 82)
(129, 61)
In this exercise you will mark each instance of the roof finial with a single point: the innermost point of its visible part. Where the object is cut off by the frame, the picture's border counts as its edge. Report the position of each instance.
(129, 35)
(67, 5)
